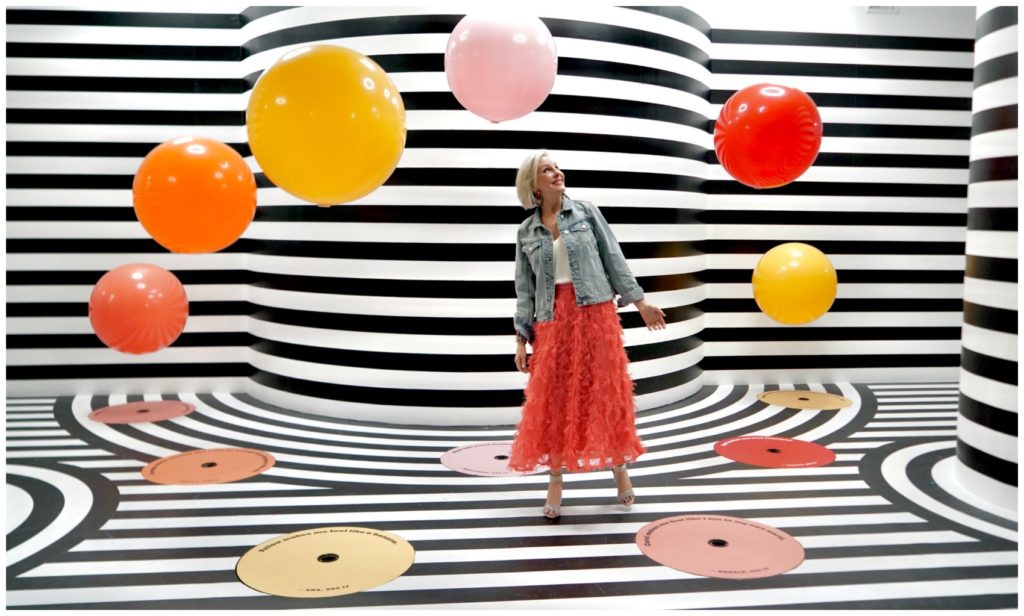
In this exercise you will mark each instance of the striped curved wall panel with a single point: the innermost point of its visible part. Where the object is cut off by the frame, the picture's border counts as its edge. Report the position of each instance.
(396, 308)
(885, 199)
(987, 446)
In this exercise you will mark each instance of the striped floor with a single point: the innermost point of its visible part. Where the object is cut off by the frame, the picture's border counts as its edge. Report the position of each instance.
(884, 526)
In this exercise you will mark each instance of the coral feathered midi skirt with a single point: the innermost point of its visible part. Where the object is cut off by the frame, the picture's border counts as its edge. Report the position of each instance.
(579, 413)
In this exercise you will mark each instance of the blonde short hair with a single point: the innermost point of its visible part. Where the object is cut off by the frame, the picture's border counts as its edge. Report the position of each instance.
(525, 179)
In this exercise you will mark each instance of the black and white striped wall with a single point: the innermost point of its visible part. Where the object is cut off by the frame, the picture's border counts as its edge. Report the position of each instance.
(395, 308)
(987, 425)
(885, 200)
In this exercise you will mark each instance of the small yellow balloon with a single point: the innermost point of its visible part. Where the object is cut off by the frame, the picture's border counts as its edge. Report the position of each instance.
(794, 283)
(326, 124)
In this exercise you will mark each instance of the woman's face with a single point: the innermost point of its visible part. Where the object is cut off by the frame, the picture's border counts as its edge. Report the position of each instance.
(550, 180)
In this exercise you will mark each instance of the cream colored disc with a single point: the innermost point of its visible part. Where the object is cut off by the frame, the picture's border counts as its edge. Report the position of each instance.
(325, 562)
(804, 400)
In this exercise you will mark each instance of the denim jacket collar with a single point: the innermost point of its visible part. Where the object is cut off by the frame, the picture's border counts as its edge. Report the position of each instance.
(535, 220)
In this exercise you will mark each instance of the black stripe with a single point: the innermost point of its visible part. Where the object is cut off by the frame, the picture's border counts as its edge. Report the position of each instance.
(832, 247)
(871, 101)
(997, 419)
(844, 189)
(850, 276)
(987, 464)
(744, 334)
(784, 362)
(619, 71)
(125, 84)
(995, 69)
(991, 268)
(989, 367)
(128, 371)
(110, 246)
(91, 278)
(996, 118)
(81, 309)
(889, 131)
(860, 71)
(831, 39)
(993, 169)
(992, 218)
(832, 159)
(95, 149)
(988, 317)
(995, 20)
(90, 341)
(846, 219)
(123, 19)
(677, 13)
(711, 306)
(124, 52)
(47, 503)
(978, 601)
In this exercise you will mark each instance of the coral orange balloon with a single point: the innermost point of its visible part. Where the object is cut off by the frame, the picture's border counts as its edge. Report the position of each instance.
(326, 124)
(138, 308)
(194, 194)
(794, 283)
(767, 135)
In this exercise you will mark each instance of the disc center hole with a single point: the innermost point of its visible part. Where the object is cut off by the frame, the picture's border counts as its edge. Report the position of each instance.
(501, 457)
(804, 399)
(327, 558)
(142, 411)
(718, 543)
(774, 450)
(208, 464)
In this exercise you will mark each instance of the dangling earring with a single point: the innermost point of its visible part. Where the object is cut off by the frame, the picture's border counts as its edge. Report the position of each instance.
(537, 197)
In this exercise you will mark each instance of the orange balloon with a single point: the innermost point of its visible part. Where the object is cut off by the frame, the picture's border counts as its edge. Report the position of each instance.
(194, 194)
(138, 308)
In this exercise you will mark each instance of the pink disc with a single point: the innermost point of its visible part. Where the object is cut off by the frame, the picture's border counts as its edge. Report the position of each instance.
(720, 546)
(484, 459)
(138, 412)
(774, 452)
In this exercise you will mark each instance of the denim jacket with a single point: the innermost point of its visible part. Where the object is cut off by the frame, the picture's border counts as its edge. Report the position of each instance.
(599, 270)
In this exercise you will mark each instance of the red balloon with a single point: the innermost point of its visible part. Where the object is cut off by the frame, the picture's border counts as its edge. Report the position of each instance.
(767, 135)
(138, 308)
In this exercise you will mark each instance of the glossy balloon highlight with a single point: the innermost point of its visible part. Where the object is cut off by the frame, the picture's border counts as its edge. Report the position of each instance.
(138, 308)
(794, 283)
(500, 65)
(767, 135)
(326, 124)
(194, 194)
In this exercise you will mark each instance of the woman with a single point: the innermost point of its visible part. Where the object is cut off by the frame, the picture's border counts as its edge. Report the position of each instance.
(579, 412)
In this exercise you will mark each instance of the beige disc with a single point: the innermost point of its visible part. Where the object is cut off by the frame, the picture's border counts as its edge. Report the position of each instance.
(804, 400)
(325, 562)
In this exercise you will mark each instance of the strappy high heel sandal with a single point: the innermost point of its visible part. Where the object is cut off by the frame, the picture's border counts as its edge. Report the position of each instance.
(553, 511)
(626, 497)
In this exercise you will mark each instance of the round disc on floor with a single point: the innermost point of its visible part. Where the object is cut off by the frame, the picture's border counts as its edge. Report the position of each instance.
(137, 412)
(804, 400)
(774, 452)
(483, 459)
(720, 546)
(325, 562)
(208, 466)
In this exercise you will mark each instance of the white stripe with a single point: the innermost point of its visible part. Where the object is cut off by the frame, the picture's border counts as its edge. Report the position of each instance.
(945, 475)
(994, 94)
(859, 445)
(814, 54)
(40, 442)
(88, 262)
(996, 44)
(993, 442)
(813, 471)
(849, 85)
(105, 67)
(828, 375)
(20, 431)
(71, 387)
(995, 496)
(474, 497)
(989, 391)
(874, 425)
(15, 426)
(249, 486)
(55, 453)
(951, 413)
(905, 433)
(837, 203)
(992, 293)
(873, 175)
(1001, 193)
(990, 342)
(916, 387)
(894, 407)
(850, 290)
(81, 293)
(841, 262)
(376, 517)
(950, 397)
(19, 507)
(894, 470)
(791, 233)
(111, 463)
(993, 144)
(81, 325)
(93, 357)
(67, 518)
(768, 348)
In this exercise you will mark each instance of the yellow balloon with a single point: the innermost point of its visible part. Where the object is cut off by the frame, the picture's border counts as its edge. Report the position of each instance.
(794, 283)
(326, 124)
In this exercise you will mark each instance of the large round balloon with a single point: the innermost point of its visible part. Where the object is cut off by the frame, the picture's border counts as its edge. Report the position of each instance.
(767, 135)
(326, 124)
(794, 283)
(138, 308)
(500, 65)
(194, 194)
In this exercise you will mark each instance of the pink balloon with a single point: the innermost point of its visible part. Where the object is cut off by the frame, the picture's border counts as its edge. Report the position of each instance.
(500, 66)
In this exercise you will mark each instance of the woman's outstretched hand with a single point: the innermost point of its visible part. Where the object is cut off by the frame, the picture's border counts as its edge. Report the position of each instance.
(521, 356)
(654, 317)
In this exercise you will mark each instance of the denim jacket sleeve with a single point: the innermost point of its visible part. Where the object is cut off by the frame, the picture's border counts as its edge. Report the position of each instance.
(526, 288)
(622, 279)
